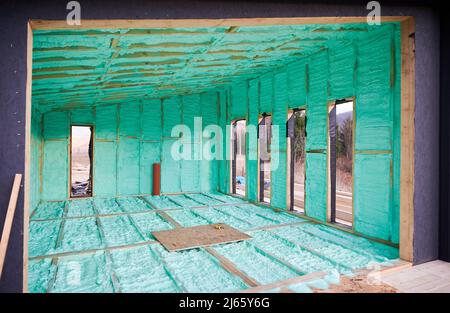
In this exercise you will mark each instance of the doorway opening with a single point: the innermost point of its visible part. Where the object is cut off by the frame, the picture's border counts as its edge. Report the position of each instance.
(81, 156)
(340, 141)
(296, 136)
(264, 153)
(238, 148)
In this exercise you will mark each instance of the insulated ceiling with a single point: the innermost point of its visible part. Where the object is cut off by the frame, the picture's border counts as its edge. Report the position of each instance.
(88, 67)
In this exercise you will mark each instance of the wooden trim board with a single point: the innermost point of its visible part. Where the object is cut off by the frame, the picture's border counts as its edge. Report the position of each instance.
(175, 23)
(407, 140)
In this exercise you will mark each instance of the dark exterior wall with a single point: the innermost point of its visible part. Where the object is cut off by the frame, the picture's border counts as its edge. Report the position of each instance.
(426, 152)
(15, 14)
(444, 216)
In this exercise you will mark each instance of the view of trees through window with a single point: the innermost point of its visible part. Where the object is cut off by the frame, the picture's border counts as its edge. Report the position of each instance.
(81, 161)
(341, 162)
(344, 146)
(298, 144)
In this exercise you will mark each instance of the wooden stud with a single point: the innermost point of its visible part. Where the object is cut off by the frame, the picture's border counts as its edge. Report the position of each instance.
(407, 140)
(27, 179)
(187, 23)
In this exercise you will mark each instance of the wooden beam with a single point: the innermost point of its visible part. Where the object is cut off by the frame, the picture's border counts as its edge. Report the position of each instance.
(181, 23)
(9, 220)
(286, 283)
(407, 140)
(27, 178)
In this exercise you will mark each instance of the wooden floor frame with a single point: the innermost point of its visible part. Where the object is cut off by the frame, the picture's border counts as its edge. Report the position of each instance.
(407, 99)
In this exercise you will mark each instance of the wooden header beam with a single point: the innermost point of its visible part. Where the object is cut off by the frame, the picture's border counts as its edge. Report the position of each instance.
(186, 23)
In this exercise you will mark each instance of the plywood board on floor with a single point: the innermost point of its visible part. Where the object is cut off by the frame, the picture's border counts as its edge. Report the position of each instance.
(198, 236)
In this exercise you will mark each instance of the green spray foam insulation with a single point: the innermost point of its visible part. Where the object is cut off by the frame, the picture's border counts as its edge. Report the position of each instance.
(271, 255)
(120, 230)
(40, 273)
(204, 199)
(291, 253)
(214, 216)
(83, 273)
(187, 218)
(107, 206)
(254, 263)
(185, 201)
(341, 255)
(80, 234)
(80, 208)
(279, 217)
(133, 204)
(140, 270)
(43, 236)
(150, 222)
(189, 268)
(224, 197)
